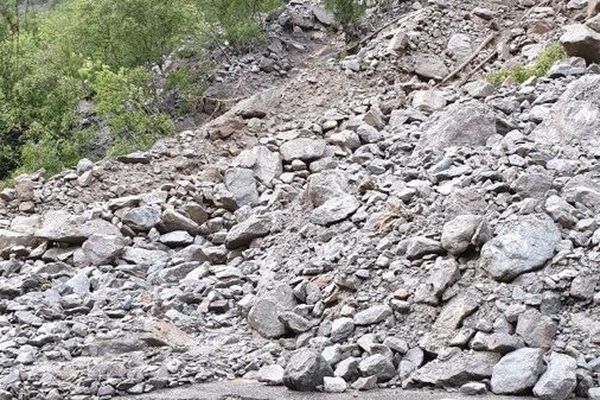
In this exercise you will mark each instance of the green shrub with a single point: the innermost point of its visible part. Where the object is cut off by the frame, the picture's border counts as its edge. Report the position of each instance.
(520, 73)
(239, 21)
(348, 14)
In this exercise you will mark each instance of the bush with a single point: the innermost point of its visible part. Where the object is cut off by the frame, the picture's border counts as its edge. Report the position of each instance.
(348, 14)
(520, 73)
(238, 21)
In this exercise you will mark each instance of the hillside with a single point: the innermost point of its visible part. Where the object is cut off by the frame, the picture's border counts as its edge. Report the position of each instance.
(415, 209)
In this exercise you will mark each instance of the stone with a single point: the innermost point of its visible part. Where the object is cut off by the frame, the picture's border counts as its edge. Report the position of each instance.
(272, 375)
(144, 257)
(365, 383)
(242, 185)
(443, 275)
(378, 365)
(469, 124)
(347, 369)
(10, 239)
(459, 369)
(242, 234)
(172, 220)
(560, 211)
(575, 116)
(341, 328)
(306, 370)
(303, 149)
(142, 219)
(498, 342)
(176, 239)
(334, 210)
(460, 46)
(429, 100)
(479, 89)
(420, 246)
(334, 384)
(523, 245)
(294, 322)
(457, 309)
(463, 232)
(537, 330)
(102, 249)
(517, 372)
(264, 314)
(266, 164)
(372, 315)
(559, 380)
(473, 388)
(581, 41)
(430, 67)
(60, 226)
(326, 185)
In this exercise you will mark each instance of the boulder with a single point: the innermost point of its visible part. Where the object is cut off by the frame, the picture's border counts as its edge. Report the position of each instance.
(142, 219)
(430, 67)
(523, 245)
(429, 100)
(537, 330)
(172, 220)
(242, 234)
(303, 149)
(372, 315)
(102, 249)
(60, 226)
(457, 370)
(518, 372)
(334, 210)
(378, 365)
(581, 41)
(306, 370)
(264, 316)
(242, 185)
(559, 380)
(463, 232)
(266, 164)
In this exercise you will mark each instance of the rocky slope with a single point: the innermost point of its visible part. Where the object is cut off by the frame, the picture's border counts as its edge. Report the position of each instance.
(355, 225)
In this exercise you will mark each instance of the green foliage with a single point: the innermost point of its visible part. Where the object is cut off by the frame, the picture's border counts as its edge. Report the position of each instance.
(520, 73)
(237, 20)
(347, 12)
(189, 81)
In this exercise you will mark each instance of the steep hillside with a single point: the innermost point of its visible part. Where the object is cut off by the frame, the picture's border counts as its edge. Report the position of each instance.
(378, 218)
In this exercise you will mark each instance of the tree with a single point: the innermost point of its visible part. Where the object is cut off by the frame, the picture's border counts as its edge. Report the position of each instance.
(348, 14)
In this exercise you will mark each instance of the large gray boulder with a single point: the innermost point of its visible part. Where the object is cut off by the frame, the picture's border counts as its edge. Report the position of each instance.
(457, 370)
(265, 163)
(334, 210)
(172, 220)
(559, 380)
(469, 124)
(100, 249)
(142, 218)
(378, 365)
(518, 371)
(463, 232)
(581, 41)
(242, 185)
(242, 234)
(60, 226)
(303, 149)
(523, 245)
(10, 239)
(576, 115)
(306, 370)
(264, 316)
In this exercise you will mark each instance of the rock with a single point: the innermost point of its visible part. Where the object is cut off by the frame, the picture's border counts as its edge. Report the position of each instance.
(323, 15)
(594, 393)
(537, 330)
(372, 315)
(460, 307)
(266, 164)
(581, 41)
(10, 239)
(593, 8)
(420, 246)
(480, 89)
(102, 249)
(326, 185)
(242, 234)
(398, 43)
(59, 226)
(473, 388)
(378, 365)
(341, 329)
(264, 315)
(294, 322)
(366, 383)
(241, 183)
(303, 149)
(429, 100)
(575, 116)
(306, 370)
(457, 370)
(142, 219)
(559, 380)
(144, 257)
(430, 67)
(176, 239)
(442, 276)
(583, 190)
(172, 220)
(469, 124)
(522, 246)
(518, 371)
(498, 342)
(272, 375)
(334, 385)
(334, 210)
(464, 231)
(348, 369)
(560, 211)
(460, 46)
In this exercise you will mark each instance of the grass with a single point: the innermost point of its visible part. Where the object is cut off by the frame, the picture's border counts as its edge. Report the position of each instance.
(520, 73)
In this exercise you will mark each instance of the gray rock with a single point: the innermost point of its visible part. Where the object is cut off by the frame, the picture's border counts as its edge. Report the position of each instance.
(442, 276)
(460, 307)
(430, 67)
(498, 342)
(480, 89)
(559, 380)
(429, 100)
(473, 388)
(10, 239)
(60, 226)
(102, 249)
(584, 190)
(457, 370)
(242, 234)
(176, 239)
(341, 329)
(379, 366)
(537, 330)
(518, 371)
(348, 369)
(266, 164)
(560, 211)
(334, 385)
(460, 46)
(264, 315)
(271, 375)
(144, 257)
(581, 41)
(294, 322)
(464, 231)
(334, 210)
(420, 246)
(305, 371)
(241, 183)
(522, 246)
(372, 315)
(172, 220)
(325, 186)
(142, 219)
(303, 149)
(469, 124)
